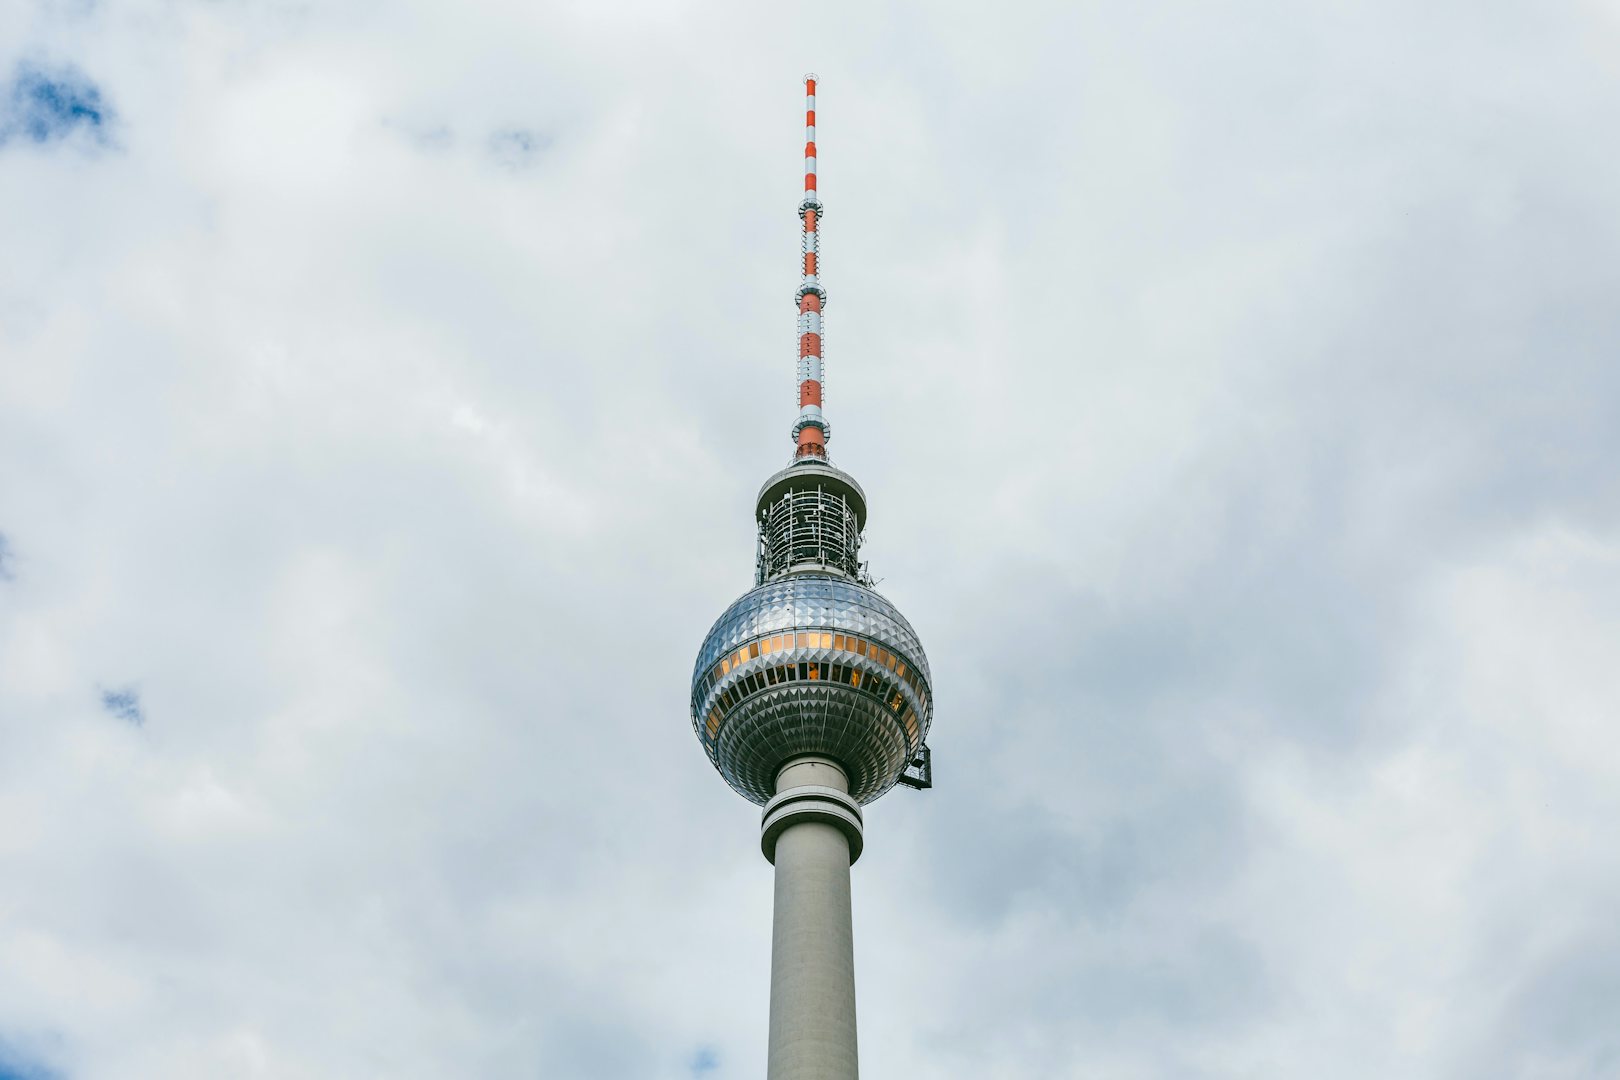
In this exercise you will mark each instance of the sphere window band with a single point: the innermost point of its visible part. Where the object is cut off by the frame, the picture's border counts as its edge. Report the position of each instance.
(847, 671)
(813, 639)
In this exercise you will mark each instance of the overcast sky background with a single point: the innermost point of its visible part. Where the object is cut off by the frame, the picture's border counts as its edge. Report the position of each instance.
(383, 392)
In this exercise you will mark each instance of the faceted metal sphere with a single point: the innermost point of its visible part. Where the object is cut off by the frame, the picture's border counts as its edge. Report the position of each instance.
(811, 663)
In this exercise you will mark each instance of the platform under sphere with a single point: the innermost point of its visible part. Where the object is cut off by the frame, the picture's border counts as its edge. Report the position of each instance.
(811, 664)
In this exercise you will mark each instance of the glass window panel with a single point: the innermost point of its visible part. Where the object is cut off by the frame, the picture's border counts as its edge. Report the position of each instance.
(838, 642)
(901, 671)
(753, 650)
(813, 671)
(860, 646)
(854, 678)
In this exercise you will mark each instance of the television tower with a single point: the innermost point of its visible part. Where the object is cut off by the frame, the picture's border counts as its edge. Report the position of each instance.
(811, 695)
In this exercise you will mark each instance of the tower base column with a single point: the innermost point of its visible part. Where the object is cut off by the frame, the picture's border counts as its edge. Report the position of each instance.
(811, 830)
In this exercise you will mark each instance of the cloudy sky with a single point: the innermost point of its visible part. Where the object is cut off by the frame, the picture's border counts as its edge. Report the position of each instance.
(383, 391)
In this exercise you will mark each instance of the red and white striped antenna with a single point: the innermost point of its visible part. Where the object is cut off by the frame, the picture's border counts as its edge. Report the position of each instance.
(810, 431)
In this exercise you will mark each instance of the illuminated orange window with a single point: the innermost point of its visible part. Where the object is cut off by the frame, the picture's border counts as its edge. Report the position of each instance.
(768, 645)
(814, 674)
(860, 646)
(889, 659)
(901, 671)
(714, 724)
(838, 642)
(911, 724)
(897, 702)
(854, 677)
(803, 641)
(725, 664)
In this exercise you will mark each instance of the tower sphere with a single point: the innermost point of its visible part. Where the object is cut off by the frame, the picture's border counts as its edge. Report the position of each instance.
(811, 662)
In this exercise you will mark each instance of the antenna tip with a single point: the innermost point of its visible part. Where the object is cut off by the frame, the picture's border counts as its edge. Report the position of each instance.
(810, 76)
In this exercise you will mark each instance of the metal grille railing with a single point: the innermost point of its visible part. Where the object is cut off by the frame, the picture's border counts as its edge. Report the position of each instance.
(808, 527)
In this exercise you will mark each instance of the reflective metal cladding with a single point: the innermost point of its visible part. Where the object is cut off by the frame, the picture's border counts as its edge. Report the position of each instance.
(811, 663)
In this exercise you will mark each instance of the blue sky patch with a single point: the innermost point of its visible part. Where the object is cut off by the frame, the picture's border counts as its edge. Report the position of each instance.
(125, 704)
(43, 106)
(518, 148)
(15, 1065)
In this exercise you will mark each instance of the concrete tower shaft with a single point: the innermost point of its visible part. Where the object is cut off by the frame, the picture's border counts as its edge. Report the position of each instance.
(812, 832)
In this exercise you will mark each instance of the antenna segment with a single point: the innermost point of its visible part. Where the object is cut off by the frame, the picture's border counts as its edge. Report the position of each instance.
(810, 431)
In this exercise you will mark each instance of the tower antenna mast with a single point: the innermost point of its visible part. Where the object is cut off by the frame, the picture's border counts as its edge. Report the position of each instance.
(810, 431)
